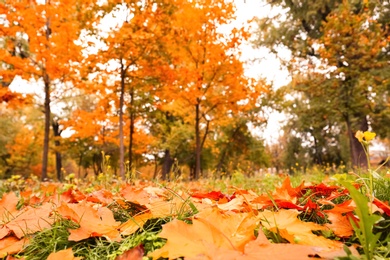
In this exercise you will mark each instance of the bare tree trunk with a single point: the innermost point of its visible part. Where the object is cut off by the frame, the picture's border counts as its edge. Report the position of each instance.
(120, 110)
(167, 166)
(57, 135)
(46, 80)
(197, 142)
(132, 122)
(155, 166)
(358, 156)
(45, 155)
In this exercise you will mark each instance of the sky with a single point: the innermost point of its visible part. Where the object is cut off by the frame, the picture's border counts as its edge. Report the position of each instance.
(266, 65)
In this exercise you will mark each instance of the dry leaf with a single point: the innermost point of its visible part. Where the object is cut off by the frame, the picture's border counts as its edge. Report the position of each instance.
(341, 225)
(134, 223)
(66, 254)
(93, 222)
(135, 253)
(286, 223)
(31, 220)
(8, 210)
(11, 245)
(230, 231)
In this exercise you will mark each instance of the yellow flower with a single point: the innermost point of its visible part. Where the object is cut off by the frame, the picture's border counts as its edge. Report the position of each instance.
(368, 136)
(365, 137)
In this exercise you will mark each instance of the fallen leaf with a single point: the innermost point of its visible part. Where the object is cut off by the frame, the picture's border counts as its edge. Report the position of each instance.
(66, 254)
(93, 222)
(340, 224)
(287, 192)
(134, 223)
(135, 253)
(323, 189)
(234, 204)
(8, 210)
(287, 224)
(31, 220)
(4, 231)
(261, 248)
(382, 205)
(226, 230)
(142, 196)
(213, 195)
(11, 245)
(102, 196)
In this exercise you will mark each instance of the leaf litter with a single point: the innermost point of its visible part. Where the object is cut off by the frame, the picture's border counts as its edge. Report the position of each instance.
(198, 225)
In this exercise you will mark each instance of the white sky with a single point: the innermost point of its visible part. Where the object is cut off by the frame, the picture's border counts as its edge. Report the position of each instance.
(266, 64)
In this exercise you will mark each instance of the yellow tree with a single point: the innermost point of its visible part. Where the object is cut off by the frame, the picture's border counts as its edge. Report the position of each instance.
(44, 34)
(209, 85)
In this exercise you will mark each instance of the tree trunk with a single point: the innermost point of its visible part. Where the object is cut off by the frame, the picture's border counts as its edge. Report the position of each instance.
(132, 122)
(120, 111)
(46, 80)
(80, 162)
(167, 166)
(155, 166)
(197, 142)
(358, 156)
(57, 135)
(47, 112)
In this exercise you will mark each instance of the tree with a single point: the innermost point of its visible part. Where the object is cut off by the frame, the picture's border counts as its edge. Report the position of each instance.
(209, 84)
(338, 54)
(48, 31)
(127, 63)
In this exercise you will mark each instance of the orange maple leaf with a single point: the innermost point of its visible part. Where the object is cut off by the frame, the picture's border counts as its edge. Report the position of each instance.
(340, 225)
(93, 222)
(142, 196)
(101, 196)
(66, 254)
(261, 248)
(31, 220)
(134, 223)
(8, 208)
(11, 245)
(226, 230)
(287, 224)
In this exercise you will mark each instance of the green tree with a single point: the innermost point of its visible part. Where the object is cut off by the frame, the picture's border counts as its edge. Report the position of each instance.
(338, 62)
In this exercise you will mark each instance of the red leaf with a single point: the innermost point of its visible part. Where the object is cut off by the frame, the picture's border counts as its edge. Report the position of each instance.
(382, 205)
(323, 189)
(213, 195)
